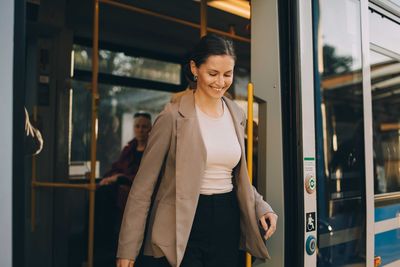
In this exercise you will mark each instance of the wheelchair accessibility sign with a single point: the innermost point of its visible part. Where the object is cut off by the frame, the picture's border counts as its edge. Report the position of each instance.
(310, 222)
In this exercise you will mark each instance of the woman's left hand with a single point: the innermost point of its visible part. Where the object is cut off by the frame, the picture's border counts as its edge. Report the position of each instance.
(268, 222)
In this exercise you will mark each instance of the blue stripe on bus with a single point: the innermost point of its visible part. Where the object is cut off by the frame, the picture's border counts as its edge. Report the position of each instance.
(386, 212)
(387, 245)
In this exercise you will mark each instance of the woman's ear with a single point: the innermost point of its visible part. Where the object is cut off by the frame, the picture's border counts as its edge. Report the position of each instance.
(193, 68)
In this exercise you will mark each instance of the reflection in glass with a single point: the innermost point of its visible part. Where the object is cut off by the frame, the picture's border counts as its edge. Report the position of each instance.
(385, 86)
(384, 32)
(120, 64)
(115, 119)
(340, 134)
(396, 2)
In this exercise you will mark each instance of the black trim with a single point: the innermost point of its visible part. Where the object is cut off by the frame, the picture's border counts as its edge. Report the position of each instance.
(84, 75)
(292, 135)
(18, 194)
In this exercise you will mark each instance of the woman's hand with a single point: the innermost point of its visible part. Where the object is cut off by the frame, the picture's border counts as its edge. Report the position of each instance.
(124, 263)
(109, 180)
(268, 222)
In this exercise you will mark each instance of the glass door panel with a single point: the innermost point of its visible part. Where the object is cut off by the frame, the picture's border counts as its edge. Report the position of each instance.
(385, 91)
(385, 86)
(340, 134)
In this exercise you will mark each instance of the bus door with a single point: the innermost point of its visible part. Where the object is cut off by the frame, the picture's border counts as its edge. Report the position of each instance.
(356, 70)
(339, 127)
(384, 62)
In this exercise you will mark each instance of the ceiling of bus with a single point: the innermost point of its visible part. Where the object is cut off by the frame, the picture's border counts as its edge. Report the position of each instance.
(152, 34)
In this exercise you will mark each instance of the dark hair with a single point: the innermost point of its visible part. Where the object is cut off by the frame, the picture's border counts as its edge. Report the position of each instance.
(142, 114)
(209, 45)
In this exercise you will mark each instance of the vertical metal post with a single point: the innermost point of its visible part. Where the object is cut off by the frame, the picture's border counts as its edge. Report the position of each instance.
(95, 100)
(308, 162)
(250, 93)
(368, 134)
(265, 48)
(203, 18)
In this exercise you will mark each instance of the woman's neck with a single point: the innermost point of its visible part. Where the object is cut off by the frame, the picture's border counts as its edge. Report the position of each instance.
(141, 145)
(211, 106)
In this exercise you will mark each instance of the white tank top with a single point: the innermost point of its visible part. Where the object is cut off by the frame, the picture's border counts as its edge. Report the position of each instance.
(223, 151)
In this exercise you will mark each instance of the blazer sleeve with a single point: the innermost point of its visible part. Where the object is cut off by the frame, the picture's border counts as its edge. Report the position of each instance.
(139, 200)
(262, 207)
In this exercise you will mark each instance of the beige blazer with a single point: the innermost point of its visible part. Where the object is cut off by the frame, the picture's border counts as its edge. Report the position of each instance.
(176, 153)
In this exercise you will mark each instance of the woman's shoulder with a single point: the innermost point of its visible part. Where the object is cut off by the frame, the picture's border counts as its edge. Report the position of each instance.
(169, 112)
(176, 98)
(171, 109)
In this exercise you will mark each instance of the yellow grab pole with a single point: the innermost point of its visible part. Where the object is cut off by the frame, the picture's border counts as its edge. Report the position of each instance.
(93, 143)
(250, 93)
(203, 18)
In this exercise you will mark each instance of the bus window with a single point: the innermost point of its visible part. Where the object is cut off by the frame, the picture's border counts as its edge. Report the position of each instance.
(386, 122)
(116, 109)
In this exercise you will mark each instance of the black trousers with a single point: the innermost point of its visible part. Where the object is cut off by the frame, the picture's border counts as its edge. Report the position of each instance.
(214, 238)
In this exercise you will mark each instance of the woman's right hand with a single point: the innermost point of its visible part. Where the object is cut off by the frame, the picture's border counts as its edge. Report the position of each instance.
(109, 180)
(124, 263)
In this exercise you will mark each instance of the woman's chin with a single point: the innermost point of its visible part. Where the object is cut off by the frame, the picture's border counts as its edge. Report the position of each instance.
(217, 93)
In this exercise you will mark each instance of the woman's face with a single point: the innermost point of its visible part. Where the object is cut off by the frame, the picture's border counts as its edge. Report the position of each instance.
(141, 128)
(215, 75)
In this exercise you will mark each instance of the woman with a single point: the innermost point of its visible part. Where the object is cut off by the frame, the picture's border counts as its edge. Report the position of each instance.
(123, 171)
(204, 207)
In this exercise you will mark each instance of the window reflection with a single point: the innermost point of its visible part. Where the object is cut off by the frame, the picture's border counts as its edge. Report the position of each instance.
(385, 85)
(120, 64)
(396, 2)
(384, 32)
(115, 121)
(340, 134)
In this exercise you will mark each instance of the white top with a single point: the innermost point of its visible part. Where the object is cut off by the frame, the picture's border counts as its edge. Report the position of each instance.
(223, 151)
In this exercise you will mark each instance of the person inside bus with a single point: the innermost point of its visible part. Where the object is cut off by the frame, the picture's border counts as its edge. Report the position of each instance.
(113, 190)
(205, 208)
(123, 170)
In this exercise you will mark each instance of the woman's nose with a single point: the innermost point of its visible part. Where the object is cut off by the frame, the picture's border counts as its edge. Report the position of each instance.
(220, 80)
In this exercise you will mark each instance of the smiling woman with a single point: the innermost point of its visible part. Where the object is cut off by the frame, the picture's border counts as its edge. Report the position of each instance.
(215, 76)
(211, 66)
(203, 212)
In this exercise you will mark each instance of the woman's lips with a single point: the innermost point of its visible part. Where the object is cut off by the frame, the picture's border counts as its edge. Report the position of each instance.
(217, 89)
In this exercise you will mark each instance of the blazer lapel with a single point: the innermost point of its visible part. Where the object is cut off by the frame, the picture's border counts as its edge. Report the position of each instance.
(239, 124)
(190, 164)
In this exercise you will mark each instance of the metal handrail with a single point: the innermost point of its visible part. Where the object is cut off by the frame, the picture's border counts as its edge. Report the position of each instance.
(379, 198)
(63, 185)
(173, 19)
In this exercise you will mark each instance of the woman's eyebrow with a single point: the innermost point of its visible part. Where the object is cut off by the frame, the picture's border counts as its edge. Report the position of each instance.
(218, 71)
